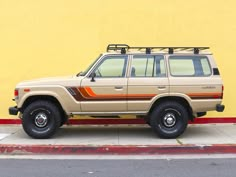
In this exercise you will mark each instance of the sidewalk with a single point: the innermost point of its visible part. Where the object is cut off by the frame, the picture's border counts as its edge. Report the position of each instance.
(120, 139)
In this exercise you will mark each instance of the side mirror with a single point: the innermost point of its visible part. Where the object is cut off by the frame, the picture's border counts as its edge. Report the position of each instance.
(93, 75)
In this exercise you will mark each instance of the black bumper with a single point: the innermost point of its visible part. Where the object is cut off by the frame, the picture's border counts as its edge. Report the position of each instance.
(220, 108)
(13, 110)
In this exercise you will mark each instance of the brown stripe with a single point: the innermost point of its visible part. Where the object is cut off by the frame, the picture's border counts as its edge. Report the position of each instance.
(77, 96)
(80, 94)
(139, 98)
(205, 97)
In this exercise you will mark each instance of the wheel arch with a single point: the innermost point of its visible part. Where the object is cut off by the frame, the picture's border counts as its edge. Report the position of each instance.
(50, 98)
(178, 99)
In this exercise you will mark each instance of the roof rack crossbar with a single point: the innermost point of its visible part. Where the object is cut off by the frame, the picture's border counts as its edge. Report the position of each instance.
(124, 47)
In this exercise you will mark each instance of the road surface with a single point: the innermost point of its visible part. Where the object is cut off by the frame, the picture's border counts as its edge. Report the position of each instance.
(223, 167)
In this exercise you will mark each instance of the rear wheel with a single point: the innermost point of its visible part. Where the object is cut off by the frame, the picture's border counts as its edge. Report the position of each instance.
(169, 119)
(41, 119)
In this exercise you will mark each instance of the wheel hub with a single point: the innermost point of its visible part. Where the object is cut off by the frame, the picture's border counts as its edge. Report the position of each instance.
(41, 120)
(169, 120)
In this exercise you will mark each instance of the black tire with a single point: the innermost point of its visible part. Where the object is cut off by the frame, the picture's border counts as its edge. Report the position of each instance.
(41, 119)
(169, 119)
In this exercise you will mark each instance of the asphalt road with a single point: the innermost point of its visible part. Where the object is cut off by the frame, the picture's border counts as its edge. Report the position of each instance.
(118, 168)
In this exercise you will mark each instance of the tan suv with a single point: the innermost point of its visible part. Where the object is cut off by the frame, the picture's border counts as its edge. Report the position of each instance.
(167, 86)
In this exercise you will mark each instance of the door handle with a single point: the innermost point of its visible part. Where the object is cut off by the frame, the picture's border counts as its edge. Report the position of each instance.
(161, 87)
(118, 87)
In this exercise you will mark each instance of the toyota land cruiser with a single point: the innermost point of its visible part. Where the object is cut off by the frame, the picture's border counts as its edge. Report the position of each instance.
(167, 86)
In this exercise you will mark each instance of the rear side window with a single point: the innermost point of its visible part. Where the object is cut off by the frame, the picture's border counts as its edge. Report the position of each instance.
(195, 66)
(148, 66)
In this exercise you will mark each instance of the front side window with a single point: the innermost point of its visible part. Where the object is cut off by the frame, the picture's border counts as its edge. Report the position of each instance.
(112, 66)
(195, 66)
(148, 66)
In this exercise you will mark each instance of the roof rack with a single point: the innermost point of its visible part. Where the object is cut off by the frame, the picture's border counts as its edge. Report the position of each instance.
(124, 47)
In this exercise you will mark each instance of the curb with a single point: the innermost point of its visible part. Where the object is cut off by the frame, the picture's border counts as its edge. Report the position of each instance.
(181, 149)
(116, 150)
(112, 121)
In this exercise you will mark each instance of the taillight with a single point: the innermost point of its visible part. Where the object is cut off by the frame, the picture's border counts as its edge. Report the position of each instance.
(16, 93)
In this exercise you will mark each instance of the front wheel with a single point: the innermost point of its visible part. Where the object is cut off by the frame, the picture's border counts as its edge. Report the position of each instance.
(41, 119)
(169, 119)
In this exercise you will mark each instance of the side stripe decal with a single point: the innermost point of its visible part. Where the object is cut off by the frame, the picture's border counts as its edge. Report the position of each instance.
(87, 94)
(205, 95)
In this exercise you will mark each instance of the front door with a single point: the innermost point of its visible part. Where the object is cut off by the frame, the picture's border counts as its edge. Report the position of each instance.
(108, 90)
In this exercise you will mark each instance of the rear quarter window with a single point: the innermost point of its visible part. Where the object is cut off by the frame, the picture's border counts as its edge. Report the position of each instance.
(189, 66)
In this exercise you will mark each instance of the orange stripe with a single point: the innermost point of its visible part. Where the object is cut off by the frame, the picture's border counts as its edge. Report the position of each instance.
(83, 92)
(203, 94)
(88, 93)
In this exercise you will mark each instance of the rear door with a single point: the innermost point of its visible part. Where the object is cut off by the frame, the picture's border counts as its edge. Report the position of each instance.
(147, 79)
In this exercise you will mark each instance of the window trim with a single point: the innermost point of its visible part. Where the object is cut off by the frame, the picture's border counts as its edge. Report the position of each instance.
(203, 56)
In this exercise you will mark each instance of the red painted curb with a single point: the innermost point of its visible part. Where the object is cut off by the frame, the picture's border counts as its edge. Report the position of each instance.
(102, 121)
(214, 120)
(10, 121)
(117, 150)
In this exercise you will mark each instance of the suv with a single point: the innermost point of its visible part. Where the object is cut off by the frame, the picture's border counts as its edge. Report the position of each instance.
(166, 86)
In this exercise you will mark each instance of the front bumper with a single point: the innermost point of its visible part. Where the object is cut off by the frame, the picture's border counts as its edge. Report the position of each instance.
(13, 110)
(220, 108)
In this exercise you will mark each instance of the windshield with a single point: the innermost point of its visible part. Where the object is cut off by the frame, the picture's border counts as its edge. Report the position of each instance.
(90, 66)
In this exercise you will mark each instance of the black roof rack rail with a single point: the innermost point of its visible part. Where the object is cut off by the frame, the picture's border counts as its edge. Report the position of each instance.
(124, 47)
(115, 47)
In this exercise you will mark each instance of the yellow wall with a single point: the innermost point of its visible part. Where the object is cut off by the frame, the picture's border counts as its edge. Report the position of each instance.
(55, 37)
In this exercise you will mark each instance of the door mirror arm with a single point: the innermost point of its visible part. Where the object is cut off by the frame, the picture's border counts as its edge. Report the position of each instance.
(93, 75)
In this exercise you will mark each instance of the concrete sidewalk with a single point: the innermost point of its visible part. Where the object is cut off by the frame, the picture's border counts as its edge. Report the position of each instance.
(120, 139)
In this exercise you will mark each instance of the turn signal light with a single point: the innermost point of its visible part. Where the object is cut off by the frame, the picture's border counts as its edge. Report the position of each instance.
(26, 90)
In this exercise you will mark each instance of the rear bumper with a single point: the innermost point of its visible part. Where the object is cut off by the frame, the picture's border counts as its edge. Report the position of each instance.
(13, 110)
(220, 108)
